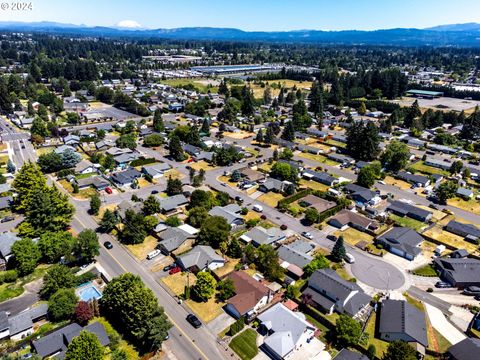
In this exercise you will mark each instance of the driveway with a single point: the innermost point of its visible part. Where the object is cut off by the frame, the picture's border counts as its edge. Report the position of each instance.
(443, 326)
(220, 323)
(24, 301)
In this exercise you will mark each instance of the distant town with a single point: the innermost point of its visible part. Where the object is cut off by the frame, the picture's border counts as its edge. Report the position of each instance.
(194, 199)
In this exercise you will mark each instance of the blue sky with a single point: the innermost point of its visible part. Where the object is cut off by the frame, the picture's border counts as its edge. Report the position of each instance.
(253, 14)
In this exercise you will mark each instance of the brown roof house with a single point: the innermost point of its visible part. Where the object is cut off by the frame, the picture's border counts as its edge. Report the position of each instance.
(317, 203)
(346, 218)
(250, 295)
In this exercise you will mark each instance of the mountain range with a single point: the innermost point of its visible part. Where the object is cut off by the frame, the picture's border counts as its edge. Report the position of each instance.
(462, 35)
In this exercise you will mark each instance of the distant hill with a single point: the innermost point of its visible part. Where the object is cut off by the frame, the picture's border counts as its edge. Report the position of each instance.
(466, 35)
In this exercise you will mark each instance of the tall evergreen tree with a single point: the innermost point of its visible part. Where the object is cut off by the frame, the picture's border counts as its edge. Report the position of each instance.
(288, 132)
(338, 251)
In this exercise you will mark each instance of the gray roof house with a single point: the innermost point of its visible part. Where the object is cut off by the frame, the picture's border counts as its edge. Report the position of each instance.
(464, 193)
(259, 235)
(171, 239)
(62, 148)
(466, 230)
(287, 331)
(126, 158)
(401, 241)
(5, 202)
(20, 325)
(272, 184)
(401, 321)
(126, 178)
(56, 343)
(401, 208)
(171, 203)
(332, 293)
(464, 349)
(156, 170)
(346, 354)
(85, 167)
(7, 239)
(128, 205)
(360, 194)
(440, 164)
(321, 177)
(200, 258)
(293, 256)
(230, 212)
(414, 178)
(459, 272)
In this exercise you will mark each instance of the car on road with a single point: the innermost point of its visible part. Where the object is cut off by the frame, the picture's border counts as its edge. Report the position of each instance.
(283, 227)
(7, 219)
(332, 237)
(442, 285)
(433, 206)
(23, 146)
(258, 208)
(239, 199)
(349, 258)
(307, 235)
(108, 245)
(154, 192)
(108, 190)
(175, 270)
(193, 320)
(382, 182)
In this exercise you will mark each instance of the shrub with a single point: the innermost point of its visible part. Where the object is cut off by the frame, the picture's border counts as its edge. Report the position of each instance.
(140, 162)
(8, 276)
(430, 290)
(237, 326)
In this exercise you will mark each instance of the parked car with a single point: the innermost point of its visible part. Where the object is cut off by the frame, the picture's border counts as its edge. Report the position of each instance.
(108, 190)
(153, 254)
(239, 199)
(332, 237)
(382, 182)
(433, 206)
(154, 192)
(175, 270)
(349, 258)
(307, 235)
(169, 267)
(258, 208)
(442, 285)
(193, 320)
(472, 290)
(7, 219)
(283, 227)
(108, 245)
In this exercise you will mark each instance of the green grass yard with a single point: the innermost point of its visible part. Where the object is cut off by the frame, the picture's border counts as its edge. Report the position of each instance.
(408, 222)
(245, 344)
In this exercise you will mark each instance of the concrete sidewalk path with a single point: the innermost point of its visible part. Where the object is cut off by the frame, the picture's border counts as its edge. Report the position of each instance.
(443, 326)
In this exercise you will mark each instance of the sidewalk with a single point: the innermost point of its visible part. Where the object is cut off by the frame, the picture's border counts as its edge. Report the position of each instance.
(443, 326)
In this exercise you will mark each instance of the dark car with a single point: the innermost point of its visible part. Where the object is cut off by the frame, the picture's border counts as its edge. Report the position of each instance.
(283, 227)
(108, 245)
(332, 237)
(442, 285)
(239, 199)
(193, 320)
(7, 219)
(433, 206)
(154, 192)
(472, 290)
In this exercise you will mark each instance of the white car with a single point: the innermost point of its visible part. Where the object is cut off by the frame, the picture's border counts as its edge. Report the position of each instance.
(382, 182)
(257, 208)
(307, 235)
(349, 258)
(153, 254)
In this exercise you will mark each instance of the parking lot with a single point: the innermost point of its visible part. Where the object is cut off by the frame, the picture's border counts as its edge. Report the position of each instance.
(441, 103)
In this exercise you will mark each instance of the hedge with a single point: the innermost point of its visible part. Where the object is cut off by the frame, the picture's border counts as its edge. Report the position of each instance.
(8, 276)
(140, 162)
(282, 204)
(237, 326)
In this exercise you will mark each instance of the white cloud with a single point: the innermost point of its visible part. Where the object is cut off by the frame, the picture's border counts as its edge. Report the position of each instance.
(128, 24)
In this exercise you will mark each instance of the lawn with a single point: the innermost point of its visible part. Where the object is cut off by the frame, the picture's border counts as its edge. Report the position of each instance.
(408, 222)
(335, 143)
(271, 198)
(324, 330)
(342, 272)
(174, 174)
(252, 151)
(226, 180)
(412, 301)
(198, 83)
(206, 311)
(245, 344)
(177, 282)
(313, 185)
(471, 205)
(426, 270)
(12, 290)
(318, 158)
(82, 194)
(429, 170)
(228, 268)
(380, 345)
(251, 215)
(398, 183)
(266, 167)
(448, 238)
(45, 150)
(140, 251)
(202, 165)
(353, 236)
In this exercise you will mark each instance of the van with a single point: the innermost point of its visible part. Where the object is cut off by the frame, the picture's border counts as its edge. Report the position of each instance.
(153, 254)
(349, 258)
(333, 192)
(258, 208)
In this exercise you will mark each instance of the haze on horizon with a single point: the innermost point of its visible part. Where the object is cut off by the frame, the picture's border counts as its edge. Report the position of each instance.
(263, 15)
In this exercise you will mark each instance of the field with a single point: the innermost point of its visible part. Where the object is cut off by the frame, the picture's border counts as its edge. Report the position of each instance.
(471, 205)
(353, 236)
(245, 344)
(318, 158)
(271, 198)
(313, 185)
(408, 222)
(287, 84)
(45, 150)
(140, 251)
(200, 84)
(446, 103)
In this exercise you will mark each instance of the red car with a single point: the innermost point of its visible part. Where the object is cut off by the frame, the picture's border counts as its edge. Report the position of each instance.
(108, 190)
(175, 270)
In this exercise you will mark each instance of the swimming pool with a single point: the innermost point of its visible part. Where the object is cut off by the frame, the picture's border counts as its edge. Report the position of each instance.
(89, 292)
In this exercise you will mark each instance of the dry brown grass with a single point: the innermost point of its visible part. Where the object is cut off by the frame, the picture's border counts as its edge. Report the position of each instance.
(398, 183)
(271, 198)
(140, 251)
(353, 236)
(202, 165)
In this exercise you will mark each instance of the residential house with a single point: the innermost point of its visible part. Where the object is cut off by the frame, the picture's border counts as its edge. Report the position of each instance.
(7, 239)
(401, 241)
(250, 295)
(286, 331)
(342, 159)
(330, 293)
(274, 185)
(115, 151)
(309, 149)
(6, 202)
(464, 193)
(97, 182)
(156, 171)
(192, 150)
(401, 321)
(441, 148)
(124, 159)
(460, 273)
(346, 218)
(464, 349)
(55, 343)
(346, 354)
(72, 140)
(418, 180)
(252, 175)
(103, 145)
(136, 206)
(230, 212)
(85, 167)
(362, 195)
(260, 236)
(293, 259)
(26, 123)
(469, 231)
(126, 178)
(16, 327)
(317, 203)
(62, 148)
(200, 258)
(175, 240)
(402, 208)
(170, 204)
(321, 177)
(440, 164)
